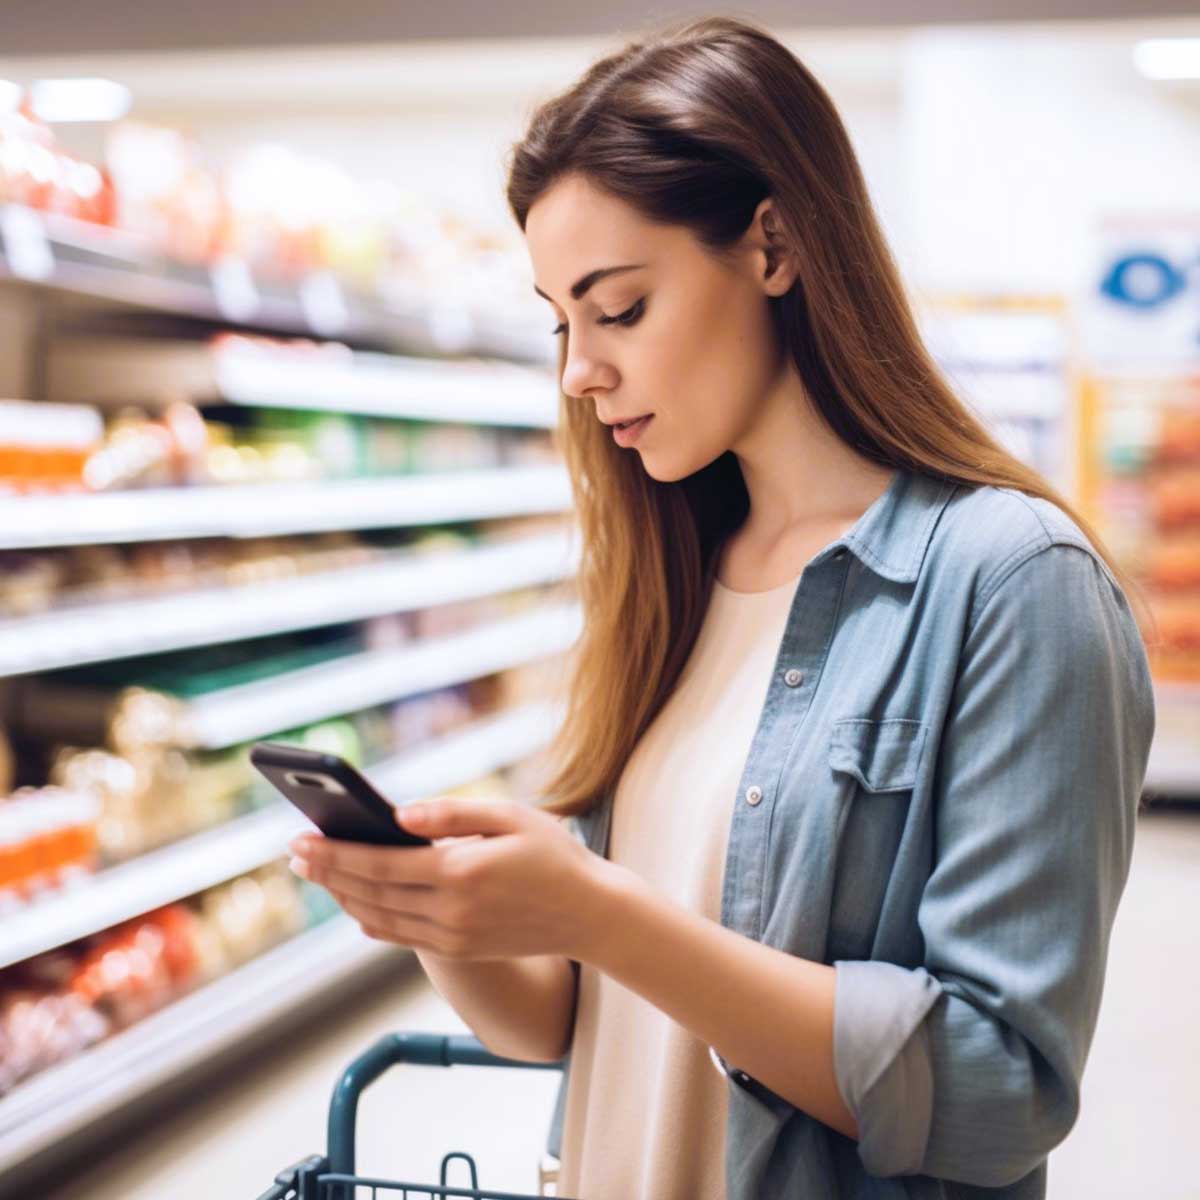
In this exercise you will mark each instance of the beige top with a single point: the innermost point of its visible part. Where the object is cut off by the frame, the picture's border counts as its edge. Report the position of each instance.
(646, 1108)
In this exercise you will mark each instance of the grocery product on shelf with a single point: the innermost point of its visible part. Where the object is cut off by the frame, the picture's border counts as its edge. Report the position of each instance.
(267, 216)
(165, 192)
(48, 839)
(57, 1004)
(1143, 487)
(46, 445)
(36, 170)
(68, 447)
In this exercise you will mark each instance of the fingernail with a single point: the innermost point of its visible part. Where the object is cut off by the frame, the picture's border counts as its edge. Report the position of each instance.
(299, 866)
(414, 813)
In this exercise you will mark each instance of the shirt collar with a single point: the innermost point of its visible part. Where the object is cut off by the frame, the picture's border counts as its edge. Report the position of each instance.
(891, 537)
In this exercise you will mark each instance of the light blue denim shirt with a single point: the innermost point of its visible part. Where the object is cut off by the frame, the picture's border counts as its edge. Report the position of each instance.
(939, 800)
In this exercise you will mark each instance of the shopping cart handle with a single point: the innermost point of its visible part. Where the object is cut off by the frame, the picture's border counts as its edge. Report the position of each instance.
(429, 1049)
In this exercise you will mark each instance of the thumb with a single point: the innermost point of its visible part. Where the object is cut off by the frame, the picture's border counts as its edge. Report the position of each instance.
(455, 816)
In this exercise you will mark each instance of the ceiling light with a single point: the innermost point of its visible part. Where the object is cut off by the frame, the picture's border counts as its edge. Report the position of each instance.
(1168, 58)
(80, 99)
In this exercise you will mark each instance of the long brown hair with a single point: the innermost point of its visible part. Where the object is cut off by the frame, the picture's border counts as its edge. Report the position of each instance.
(694, 126)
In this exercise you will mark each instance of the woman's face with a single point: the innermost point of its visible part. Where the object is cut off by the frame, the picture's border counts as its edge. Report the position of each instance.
(683, 336)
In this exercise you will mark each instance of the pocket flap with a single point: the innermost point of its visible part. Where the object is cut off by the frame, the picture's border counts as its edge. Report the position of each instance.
(882, 755)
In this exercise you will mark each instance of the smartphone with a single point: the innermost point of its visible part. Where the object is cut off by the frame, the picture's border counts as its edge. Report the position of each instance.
(338, 799)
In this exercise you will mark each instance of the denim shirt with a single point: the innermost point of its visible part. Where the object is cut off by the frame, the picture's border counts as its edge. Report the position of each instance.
(939, 800)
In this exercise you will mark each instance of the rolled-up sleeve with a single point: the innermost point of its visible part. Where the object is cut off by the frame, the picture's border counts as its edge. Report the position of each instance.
(968, 1068)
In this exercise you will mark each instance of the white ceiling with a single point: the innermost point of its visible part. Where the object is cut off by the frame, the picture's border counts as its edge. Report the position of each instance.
(85, 26)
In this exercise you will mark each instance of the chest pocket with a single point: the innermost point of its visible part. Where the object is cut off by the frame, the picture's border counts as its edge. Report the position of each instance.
(875, 764)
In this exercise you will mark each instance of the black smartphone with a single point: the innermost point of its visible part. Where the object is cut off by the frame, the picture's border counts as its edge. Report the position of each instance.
(333, 794)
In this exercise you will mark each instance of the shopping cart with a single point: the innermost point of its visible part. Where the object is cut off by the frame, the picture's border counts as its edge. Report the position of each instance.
(331, 1176)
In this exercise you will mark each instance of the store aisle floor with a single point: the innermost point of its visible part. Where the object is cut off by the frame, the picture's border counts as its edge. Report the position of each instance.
(1135, 1136)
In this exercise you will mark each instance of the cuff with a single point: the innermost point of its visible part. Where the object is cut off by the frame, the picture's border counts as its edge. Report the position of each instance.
(883, 1062)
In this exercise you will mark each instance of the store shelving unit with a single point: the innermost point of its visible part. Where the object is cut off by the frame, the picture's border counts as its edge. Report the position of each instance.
(114, 629)
(65, 1099)
(293, 698)
(256, 510)
(57, 253)
(392, 358)
(97, 370)
(216, 855)
(1120, 415)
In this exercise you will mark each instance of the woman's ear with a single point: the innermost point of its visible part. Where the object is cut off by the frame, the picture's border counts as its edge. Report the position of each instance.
(777, 262)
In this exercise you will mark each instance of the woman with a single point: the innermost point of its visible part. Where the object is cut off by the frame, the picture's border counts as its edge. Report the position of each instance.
(859, 718)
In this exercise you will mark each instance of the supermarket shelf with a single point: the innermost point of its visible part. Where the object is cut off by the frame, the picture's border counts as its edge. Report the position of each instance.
(238, 370)
(257, 510)
(65, 1098)
(216, 855)
(123, 628)
(486, 746)
(295, 698)
(52, 251)
(149, 881)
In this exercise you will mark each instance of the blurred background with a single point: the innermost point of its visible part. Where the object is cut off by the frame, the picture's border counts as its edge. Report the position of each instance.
(277, 460)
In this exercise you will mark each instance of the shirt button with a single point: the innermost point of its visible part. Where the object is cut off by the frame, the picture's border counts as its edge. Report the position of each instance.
(753, 794)
(793, 677)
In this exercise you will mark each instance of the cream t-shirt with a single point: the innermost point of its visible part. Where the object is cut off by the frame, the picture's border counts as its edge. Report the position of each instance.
(646, 1108)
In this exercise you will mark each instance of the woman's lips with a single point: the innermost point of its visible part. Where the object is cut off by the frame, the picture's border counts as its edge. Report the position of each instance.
(630, 433)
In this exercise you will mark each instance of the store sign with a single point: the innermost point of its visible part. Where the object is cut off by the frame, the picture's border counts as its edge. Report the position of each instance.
(1145, 305)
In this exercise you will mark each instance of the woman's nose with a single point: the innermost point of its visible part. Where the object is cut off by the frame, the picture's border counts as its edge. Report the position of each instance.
(584, 370)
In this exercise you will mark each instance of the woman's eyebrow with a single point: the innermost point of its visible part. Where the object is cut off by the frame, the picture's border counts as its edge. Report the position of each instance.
(580, 287)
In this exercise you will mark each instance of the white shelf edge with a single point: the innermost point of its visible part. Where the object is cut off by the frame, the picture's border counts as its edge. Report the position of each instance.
(258, 510)
(389, 386)
(252, 710)
(65, 1098)
(209, 858)
(153, 624)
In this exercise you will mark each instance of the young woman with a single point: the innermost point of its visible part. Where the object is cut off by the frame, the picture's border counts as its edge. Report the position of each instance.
(859, 718)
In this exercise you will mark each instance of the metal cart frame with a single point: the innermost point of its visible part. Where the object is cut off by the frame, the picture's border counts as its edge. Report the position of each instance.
(331, 1176)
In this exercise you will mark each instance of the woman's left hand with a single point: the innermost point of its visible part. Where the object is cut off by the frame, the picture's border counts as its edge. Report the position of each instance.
(505, 880)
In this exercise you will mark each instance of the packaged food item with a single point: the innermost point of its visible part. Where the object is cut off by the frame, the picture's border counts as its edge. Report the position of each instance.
(46, 446)
(135, 968)
(254, 912)
(36, 171)
(48, 841)
(156, 795)
(166, 194)
(40, 1027)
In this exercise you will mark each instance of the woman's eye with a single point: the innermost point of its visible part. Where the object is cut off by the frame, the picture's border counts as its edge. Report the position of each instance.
(629, 317)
